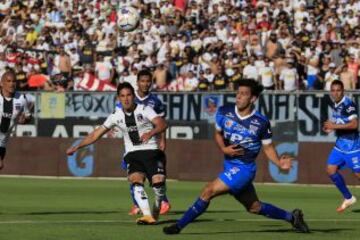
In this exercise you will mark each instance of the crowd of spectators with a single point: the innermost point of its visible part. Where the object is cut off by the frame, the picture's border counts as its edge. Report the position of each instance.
(195, 45)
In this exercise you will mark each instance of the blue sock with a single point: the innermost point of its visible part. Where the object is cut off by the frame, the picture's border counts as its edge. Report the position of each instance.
(271, 211)
(132, 195)
(193, 212)
(339, 182)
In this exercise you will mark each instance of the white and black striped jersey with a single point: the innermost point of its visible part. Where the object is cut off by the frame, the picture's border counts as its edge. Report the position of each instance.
(134, 125)
(10, 108)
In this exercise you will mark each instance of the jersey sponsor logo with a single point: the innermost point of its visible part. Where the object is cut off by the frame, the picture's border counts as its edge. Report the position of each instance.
(232, 171)
(350, 109)
(230, 115)
(255, 122)
(7, 115)
(253, 129)
(17, 106)
(132, 129)
(234, 137)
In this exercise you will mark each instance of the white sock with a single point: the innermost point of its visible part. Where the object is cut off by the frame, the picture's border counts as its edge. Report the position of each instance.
(142, 199)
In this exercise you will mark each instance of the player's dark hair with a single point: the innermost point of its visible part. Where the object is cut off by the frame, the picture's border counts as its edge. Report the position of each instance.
(8, 72)
(124, 85)
(254, 86)
(338, 82)
(144, 72)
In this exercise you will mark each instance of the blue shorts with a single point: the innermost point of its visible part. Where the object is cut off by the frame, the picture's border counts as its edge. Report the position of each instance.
(341, 159)
(238, 177)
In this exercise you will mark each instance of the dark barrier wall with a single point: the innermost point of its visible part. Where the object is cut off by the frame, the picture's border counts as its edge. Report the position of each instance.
(187, 160)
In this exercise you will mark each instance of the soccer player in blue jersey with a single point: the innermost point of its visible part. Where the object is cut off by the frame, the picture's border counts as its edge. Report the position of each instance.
(346, 151)
(145, 97)
(240, 133)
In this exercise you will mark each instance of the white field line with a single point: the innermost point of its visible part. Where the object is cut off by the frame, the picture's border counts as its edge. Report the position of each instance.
(129, 221)
(170, 180)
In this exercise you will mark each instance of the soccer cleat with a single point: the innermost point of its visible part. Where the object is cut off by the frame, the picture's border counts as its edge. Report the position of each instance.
(172, 229)
(164, 208)
(135, 210)
(298, 222)
(346, 204)
(146, 220)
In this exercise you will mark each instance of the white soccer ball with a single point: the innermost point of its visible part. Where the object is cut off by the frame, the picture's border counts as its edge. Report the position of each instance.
(128, 18)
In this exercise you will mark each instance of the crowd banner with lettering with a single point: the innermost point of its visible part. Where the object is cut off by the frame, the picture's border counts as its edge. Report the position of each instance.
(93, 105)
(294, 117)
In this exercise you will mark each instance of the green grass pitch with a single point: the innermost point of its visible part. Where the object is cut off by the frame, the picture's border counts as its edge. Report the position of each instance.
(37, 209)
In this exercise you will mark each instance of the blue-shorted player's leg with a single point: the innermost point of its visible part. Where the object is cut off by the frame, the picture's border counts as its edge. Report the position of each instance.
(336, 161)
(249, 199)
(232, 177)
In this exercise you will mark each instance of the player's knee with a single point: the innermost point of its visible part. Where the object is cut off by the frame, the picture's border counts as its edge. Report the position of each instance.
(331, 170)
(137, 184)
(357, 175)
(158, 178)
(208, 192)
(254, 207)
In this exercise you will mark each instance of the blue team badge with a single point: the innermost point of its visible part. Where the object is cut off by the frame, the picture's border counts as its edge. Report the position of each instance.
(139, 118)
(253, 129)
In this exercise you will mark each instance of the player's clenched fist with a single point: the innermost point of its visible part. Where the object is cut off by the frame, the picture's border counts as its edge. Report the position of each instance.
(233, 150)
(145, 137)
(285, 162)
(70, 151)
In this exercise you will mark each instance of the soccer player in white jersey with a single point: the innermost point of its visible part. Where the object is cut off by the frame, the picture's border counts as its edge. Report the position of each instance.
(14, 108)
(140, 125)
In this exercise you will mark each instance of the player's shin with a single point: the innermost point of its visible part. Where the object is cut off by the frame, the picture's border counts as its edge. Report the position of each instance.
(132, 194)
(141, 199)
(274, 212)
(193, 212)
(339, 182)
(159, 190)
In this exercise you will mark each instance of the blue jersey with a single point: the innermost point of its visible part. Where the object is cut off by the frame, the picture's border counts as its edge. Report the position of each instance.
(248, 132)
(150, 100)
(344, 112)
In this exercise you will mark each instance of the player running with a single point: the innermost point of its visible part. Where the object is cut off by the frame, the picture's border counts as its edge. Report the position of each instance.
(14, 108)
(145, 97)
(240, 133)
(140, 126)
(346, 151)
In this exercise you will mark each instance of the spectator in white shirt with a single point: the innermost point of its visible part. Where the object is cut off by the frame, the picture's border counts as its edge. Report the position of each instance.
(289, 77)
(266, 75)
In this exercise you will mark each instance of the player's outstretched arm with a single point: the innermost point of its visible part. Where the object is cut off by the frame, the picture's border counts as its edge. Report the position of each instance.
(351, 125)
(162, 141)
(89, 139)
(283, 163)
(160, 126)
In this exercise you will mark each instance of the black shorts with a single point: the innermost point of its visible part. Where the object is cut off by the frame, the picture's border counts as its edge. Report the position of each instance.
(149, 162)
(2, 153)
